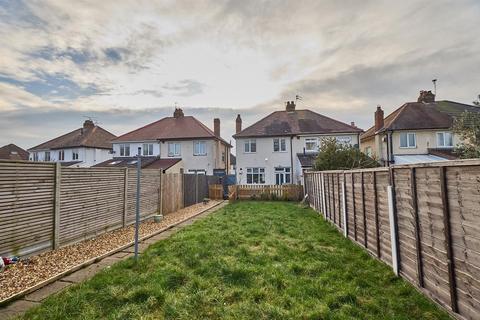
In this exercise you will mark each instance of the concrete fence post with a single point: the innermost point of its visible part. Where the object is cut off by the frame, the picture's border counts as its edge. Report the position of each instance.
(160, 195)
(344, 208)
(322, 179)
(393, 229)
(125, 197)
(56, 207)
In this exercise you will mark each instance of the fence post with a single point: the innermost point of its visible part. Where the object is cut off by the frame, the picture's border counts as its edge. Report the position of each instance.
(393, 229)
(418, 244)
(344, 207)
(183, 187)
(56, 208)
(196, 187)
(125, 197)
(322, 178)
(354, 208)
(377, 227)
(339, 201)
(448, 240)
(364, 213)
(160, 190)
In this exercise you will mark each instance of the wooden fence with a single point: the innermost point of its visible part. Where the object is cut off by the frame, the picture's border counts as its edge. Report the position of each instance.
(422, 220)
(196, 187)
(45, 206)
(215, 191)
(291, 192)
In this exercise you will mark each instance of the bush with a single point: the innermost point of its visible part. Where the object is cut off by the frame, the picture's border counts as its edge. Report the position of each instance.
(336, 156)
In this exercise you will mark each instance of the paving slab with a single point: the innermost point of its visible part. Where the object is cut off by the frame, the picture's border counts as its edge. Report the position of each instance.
(44, 292)
(17, 308)
(83, 274)
(108, 261)
(119, 255)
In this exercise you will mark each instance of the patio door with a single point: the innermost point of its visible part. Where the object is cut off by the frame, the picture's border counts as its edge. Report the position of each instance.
(283, 175)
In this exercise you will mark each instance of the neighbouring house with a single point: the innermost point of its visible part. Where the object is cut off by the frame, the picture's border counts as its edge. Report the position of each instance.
(13, 152)
(166, 165)
(180, 141)
(233, 164)
(83, 147)
(278, 148)
(416, 132)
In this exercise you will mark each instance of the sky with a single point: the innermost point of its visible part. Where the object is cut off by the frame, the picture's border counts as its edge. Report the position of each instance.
(128, 63)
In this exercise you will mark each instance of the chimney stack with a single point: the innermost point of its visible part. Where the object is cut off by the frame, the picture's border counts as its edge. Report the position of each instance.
(426, 96)
(178, 113)
(238, 124)
(216, 127)
(88, 124)
(379, 120)
(290, 106)
(353, 124)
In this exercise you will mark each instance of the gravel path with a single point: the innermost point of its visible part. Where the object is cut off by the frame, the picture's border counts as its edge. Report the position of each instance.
(21, 276)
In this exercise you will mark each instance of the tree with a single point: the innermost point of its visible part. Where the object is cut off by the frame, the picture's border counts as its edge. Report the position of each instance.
(336, 156)
(467, 127)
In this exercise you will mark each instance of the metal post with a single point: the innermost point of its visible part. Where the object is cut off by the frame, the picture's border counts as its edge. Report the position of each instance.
(137, 205)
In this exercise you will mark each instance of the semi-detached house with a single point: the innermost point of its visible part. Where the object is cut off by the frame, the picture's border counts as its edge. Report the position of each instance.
(278, 148)
(173, 144)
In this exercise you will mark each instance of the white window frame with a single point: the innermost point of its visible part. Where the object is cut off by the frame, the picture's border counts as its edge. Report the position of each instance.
(408, 134)
(257, 172)
(177, 149)
(123, 150)
(198, 171)
(282, 173)
(147, 149)
(61, 155)
(247, 146)
(309, 140)
(35, 156)
(281, 143)
(199, 152)
(444, 134)
(45, 156)
(75, 154)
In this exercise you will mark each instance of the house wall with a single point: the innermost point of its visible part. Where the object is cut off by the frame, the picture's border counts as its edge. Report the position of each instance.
(87, 156)
(266, 158)
(425, 139)
(212, 160)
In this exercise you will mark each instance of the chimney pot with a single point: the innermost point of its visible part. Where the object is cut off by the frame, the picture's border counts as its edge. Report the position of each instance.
(216, 127)
(352, 124)
(290, 106)
(88, 124)
(178, 113)
(379, 119)
(426, 96)
(238, 124)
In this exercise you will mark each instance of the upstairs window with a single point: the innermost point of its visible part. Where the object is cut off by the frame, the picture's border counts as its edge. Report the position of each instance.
(147, 149)
(75, 155)
(311, 144)
(174, 149)
(124, 150)
(35, 156)
(408, 140)
(279, 145)
(61, 155)
(47, 156)
(250, 146)
(199, 148)
(444, 139)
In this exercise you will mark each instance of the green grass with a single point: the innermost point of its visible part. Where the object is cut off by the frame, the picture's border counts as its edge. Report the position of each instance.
(250, 260)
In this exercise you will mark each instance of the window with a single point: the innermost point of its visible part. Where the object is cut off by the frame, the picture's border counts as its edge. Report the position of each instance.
(148, 149)
(346, 140)
(174, 149)
(47, 155)
(35, 156)
(61, 155)
(74, 154)
(279, 145)
(199, 148)
(444, 139)
(197, 171)
(124, 150)
(408, 140)
(223, 156)
(255, 175)
(250, 146)
(311, 144)
(283, 175)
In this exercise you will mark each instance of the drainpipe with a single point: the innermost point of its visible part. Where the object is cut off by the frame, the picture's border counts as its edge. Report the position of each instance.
(291, 159)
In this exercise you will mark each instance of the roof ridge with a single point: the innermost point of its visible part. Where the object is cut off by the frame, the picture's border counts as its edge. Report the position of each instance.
(145, 126)
(53, 139)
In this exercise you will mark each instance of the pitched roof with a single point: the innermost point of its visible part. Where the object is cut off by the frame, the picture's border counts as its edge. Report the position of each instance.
(147, 162)
(171, 128)
(13, 152)
(419, 115)
(89, 135)
(283, 123)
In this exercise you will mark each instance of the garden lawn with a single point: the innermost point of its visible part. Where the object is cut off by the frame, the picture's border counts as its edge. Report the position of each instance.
(249, 260)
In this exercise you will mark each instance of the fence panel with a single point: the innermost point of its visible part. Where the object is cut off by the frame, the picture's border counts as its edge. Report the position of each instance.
(26, 207)
(436, 217)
